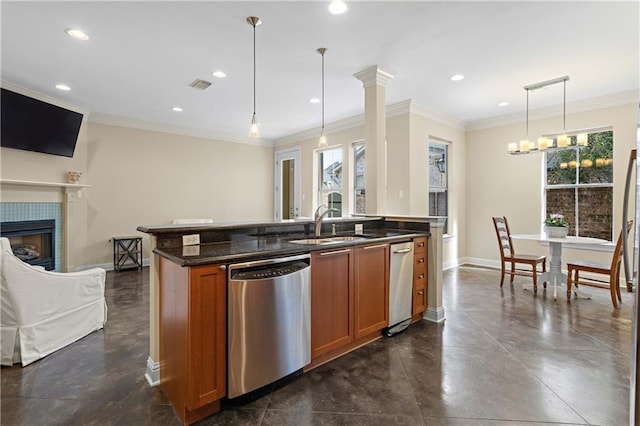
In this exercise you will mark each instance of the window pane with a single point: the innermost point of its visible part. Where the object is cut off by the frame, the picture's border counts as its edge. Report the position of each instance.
(438, 192)
(330, 185)
(595, 212)
(561, 167)
(596, 159)
(359, 169)
(562, 201)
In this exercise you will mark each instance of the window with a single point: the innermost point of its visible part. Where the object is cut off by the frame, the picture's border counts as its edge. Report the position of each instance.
(438, 191)
(330, 180)
(359, 166)
(579, 185)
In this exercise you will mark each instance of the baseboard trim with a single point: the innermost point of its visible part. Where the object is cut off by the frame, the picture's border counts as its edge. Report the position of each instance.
(434, 314)
(105, 266)
(153, 372)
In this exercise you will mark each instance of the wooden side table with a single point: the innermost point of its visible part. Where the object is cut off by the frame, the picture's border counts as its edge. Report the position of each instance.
(127, 253)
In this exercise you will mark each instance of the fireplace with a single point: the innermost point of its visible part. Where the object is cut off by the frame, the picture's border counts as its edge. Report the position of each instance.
(33, 241)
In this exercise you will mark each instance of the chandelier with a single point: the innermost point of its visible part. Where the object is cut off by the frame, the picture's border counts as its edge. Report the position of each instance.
(549, 143)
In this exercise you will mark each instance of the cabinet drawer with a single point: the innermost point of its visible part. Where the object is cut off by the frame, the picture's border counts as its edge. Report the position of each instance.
(419, 304)
(420, 278)
(419, 262)
(420, 245)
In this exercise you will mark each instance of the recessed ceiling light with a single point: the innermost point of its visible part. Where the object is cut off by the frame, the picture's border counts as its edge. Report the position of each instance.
(338, 7)
(457, 77)
(77, 34)
(219, 74)
(503, 104)
(176, 109)
(314, 100)
(63, 87)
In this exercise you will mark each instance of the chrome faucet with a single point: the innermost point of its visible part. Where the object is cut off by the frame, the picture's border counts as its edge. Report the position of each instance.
(318, 217)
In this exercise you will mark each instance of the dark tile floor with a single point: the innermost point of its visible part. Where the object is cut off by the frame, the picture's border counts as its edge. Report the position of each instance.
(502, 357)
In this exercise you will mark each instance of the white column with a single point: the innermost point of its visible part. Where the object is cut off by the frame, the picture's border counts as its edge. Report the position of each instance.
(435, 308)
(153, 362)
(374, 81)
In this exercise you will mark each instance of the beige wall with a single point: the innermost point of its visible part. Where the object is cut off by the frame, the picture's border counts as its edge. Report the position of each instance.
(422, 130)
(140, 177)
(501, 184)
(33, 166)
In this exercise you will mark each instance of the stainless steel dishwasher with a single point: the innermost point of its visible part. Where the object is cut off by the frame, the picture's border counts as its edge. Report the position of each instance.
(269, 321)
(400, 287)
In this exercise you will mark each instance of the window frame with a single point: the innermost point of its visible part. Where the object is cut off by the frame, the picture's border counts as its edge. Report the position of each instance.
(577, 186)
(440, 189)
(354, 175)
(319, 179)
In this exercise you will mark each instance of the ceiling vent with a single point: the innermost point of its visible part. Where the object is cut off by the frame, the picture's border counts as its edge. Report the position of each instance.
(200, 84)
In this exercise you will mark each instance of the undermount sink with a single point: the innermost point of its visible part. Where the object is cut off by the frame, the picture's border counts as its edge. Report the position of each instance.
(328, 240)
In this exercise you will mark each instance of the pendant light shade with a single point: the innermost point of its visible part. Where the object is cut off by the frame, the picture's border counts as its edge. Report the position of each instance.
(254, 130)
(322, 142)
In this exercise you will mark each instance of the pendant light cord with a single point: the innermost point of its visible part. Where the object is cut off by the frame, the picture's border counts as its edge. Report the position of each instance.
(254, 69)
(323, 91)
(564, 108)
(527, 127)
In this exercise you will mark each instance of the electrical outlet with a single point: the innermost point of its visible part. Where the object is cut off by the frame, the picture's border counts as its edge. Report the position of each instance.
(358, 230)
(191, 240)
(191, 251)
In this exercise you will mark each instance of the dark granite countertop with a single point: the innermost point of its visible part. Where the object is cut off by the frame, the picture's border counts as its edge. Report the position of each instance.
(268, 246)
(267, 224)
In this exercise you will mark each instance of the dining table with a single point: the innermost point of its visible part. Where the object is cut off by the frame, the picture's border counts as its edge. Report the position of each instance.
(554, 274)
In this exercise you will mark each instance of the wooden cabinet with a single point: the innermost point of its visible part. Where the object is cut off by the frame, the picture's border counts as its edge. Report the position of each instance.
(332, 300)
(193, 338)
(419, 301)
(349, 299)
(371, 289)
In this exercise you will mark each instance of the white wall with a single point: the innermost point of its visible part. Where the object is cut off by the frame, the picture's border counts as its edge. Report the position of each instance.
(499, 184)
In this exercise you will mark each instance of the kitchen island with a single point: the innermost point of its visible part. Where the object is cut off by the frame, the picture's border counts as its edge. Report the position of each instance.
(189, 286)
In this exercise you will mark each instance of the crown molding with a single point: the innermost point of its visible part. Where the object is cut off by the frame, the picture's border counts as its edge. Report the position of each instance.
(373, 76)
(583, 105)
(408, 106)
(42, 97)
(112, 120)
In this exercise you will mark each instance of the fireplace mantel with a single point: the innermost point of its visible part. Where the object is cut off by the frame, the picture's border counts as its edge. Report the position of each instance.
(49, 184)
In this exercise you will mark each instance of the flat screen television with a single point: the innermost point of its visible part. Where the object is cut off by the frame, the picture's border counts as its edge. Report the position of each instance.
(33, 125)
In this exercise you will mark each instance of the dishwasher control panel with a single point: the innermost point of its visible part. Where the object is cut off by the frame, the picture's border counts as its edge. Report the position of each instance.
(268, 271)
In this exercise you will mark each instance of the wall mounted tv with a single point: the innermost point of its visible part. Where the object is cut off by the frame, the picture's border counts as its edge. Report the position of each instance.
(33, 125)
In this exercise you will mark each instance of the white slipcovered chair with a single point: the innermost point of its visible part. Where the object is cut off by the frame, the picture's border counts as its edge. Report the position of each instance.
(43, 311)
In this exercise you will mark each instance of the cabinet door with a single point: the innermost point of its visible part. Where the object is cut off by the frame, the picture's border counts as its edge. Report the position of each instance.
(331, 300)
(371, 289)
(207, 335)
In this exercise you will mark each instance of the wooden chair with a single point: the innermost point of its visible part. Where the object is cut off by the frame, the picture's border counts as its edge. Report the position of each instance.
(612, 271)
(508, 255)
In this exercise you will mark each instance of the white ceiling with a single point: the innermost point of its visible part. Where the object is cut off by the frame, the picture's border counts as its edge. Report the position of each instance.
(142, 56)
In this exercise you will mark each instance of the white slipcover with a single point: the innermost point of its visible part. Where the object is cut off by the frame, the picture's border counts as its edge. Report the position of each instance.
(44, 311)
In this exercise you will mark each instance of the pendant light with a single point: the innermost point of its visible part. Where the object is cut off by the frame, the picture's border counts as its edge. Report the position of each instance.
(562, 141)
(254, 130)
(322, 142)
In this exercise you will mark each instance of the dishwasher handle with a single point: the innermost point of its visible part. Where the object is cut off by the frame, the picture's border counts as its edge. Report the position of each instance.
(403, 250)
